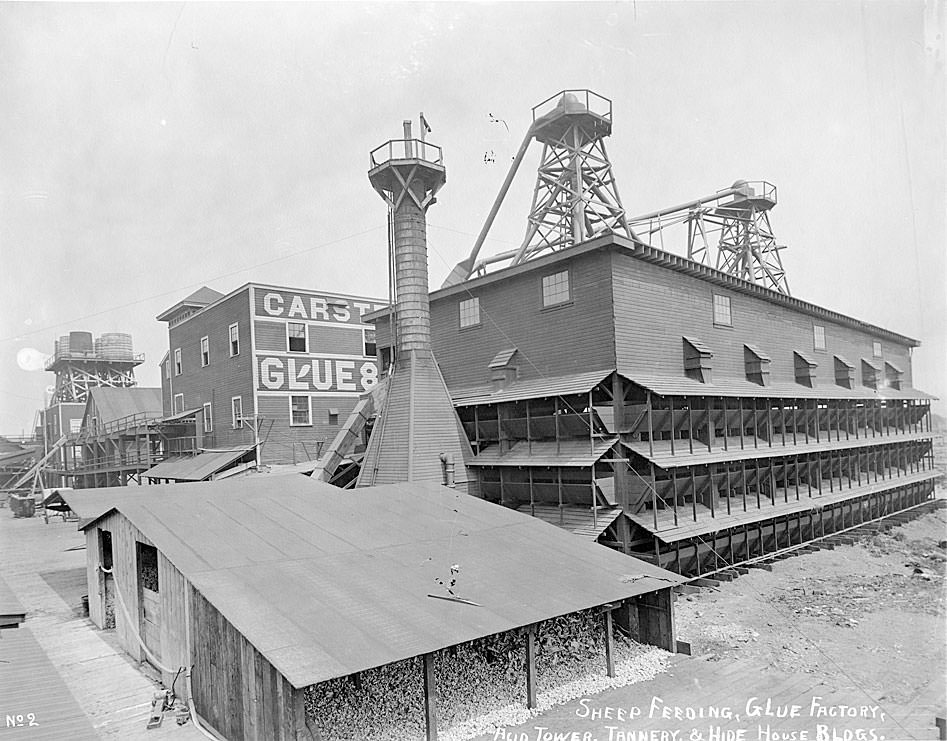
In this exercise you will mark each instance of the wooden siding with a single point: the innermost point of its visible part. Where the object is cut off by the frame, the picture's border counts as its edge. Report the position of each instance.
(225, 376)
(554, 341)
(172, 638)
(323, 338)
(236, 690)
(655, 307)
(286, 444)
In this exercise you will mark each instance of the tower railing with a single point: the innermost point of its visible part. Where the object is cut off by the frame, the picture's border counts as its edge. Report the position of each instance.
(594, 103)
(91, 355)
(401, 149)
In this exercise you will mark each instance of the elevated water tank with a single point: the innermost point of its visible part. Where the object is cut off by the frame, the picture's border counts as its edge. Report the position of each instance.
(115, 346)
(62, 347)
(81, 342)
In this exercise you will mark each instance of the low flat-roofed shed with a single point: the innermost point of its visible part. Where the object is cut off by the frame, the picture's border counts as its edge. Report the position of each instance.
(300, 582)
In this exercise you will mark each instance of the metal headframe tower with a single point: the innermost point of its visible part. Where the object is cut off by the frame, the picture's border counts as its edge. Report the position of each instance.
(738, 219)
(575, 197)
(80, 365)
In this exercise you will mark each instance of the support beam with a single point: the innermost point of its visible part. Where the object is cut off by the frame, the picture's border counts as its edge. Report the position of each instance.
(531, 684)
(430, 698)
(609, 645)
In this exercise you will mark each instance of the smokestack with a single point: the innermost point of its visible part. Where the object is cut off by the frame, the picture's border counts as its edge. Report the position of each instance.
(418, 422)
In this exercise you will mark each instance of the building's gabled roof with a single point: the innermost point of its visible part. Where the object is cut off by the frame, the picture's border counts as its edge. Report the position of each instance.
(203, 296)
(110, 404)
(326, 583)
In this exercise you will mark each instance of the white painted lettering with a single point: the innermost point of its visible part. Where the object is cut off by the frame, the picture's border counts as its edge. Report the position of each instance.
(340, 312)
(273, 304)
(343, 375)
(322, 381)
(295, 382)
(272, 376)
(318, 309)
(297, 308)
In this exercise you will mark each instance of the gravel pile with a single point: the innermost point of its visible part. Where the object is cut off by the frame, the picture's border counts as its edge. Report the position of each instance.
(481, 685)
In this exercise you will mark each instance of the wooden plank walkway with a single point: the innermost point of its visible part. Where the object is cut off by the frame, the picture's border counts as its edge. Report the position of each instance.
(112, 696)
(35, 702)
(727, 700)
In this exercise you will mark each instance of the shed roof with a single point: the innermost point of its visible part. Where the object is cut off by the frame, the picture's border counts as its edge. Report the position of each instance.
(111, 403)
(684, 386)
(581, 521)
(581, 453)
(533, 388)
(196, 467)
(325, 582)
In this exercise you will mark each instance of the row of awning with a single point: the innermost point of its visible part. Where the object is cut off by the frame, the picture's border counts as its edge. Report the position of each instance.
(689, 526)
(663, 385)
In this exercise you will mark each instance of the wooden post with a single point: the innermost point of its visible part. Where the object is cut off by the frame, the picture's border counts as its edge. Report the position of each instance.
(690, 424)
(673, 426)
(650, 429)
(609, 645)
(430, 697)
(531, 683)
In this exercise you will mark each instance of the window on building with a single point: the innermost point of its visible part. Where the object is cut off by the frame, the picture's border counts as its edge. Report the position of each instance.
(178, 403)
(234, 339)
(167, 368)
(75, 425)
(722, 315)
(205, 352)
(333, 416)
(208, 419)
(556, 288)
(178, 367)
(236, 409)
(296, 337)
(818, 336)
(300, 410)
(368, 340)
(470, 312)
(876, 349)
(148, 567)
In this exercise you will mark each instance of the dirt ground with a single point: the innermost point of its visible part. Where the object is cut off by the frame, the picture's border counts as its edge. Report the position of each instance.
(870, 616)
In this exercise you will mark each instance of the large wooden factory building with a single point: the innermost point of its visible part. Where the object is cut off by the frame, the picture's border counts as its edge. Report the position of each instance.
(676, 411)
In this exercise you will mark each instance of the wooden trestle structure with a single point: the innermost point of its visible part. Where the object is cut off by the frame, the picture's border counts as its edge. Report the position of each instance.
(699, 483)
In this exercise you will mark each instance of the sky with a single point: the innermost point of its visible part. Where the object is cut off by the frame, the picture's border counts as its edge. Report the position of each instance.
(149, 149)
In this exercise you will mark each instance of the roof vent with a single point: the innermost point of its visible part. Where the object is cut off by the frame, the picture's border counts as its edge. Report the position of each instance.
(697, 360)
(756, 363)
(844, 372)
(804, 367)
(502, 372)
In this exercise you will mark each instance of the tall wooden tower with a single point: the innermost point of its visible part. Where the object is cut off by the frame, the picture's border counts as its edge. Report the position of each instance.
(417, 436)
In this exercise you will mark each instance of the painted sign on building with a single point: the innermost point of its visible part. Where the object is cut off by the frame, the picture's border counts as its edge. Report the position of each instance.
(282, 304)
(317, 374)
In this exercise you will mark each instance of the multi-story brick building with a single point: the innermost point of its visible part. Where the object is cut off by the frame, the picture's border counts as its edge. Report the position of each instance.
(285, 364)
(674, 410)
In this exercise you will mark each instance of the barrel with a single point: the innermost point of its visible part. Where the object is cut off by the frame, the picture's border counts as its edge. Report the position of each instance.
(115, 346)
(81, 342)
(63, 345)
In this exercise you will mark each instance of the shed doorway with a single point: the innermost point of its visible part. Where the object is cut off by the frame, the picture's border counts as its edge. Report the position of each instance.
(108, 580)
(149, 599)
